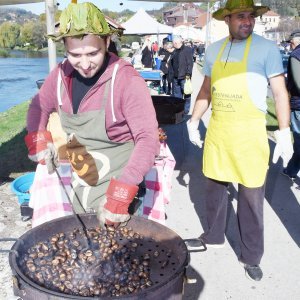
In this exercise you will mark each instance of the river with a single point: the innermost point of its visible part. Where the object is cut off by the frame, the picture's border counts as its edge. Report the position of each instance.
(18, 76)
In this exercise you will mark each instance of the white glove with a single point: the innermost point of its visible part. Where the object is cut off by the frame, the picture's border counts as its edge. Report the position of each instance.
(194, 133)
(51, 158)
(284, 146)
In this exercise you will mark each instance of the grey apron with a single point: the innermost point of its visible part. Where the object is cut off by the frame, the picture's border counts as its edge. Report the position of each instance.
(94, 158)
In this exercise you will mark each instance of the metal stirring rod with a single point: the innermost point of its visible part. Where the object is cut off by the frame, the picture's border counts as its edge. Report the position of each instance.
(82, 225)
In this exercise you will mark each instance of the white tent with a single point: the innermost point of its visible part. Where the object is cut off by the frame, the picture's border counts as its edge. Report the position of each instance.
(189, 33)
(143, 24)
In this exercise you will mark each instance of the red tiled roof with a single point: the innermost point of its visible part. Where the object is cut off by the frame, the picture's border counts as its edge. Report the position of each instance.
(113, 23)
(182, 23)
(201, 20)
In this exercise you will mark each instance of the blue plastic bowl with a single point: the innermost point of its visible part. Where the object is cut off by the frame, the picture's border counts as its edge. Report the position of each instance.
(21, 185)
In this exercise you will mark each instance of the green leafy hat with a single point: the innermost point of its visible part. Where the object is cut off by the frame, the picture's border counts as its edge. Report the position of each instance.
(79, 19)
(236, 6)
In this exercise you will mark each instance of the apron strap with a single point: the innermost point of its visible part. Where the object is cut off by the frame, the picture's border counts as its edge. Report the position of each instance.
(222, 49)
(247, 49)
(246, 52)
(112, 92)
(105, 94)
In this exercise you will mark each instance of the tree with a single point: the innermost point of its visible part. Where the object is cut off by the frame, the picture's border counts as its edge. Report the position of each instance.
(34, 33)
(26, 36)
(287, 25)
(284, 7)
(9, 34)
(39, 35)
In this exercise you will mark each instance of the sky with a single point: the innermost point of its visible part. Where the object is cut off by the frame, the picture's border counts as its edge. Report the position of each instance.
(113, 5)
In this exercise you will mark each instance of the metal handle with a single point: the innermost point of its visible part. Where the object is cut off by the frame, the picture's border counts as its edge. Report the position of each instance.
(195, 245)
(9, 240)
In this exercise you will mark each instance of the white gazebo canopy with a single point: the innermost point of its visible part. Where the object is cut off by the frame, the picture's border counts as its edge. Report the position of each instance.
(141, 23)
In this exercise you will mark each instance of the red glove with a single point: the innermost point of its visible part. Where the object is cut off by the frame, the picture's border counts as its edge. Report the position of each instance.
(119, 195)
(41, 149)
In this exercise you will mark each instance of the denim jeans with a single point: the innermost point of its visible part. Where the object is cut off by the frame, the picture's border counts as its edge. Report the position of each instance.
(293, 166)
(166, 85)
(177, 91)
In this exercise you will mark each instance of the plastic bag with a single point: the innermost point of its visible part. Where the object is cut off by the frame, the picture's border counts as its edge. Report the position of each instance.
(188, 88)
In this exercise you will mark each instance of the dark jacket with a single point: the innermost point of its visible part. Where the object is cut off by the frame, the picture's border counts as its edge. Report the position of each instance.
(164, 67)
(182, 62)
(293, 75)
(147, 58)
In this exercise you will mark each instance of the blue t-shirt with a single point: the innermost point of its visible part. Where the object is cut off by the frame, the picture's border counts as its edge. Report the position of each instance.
(264, 62)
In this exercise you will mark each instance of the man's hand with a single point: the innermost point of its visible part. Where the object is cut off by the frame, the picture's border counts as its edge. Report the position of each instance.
(284, 146)
(194, 134)
(42, 150)
(113, 209)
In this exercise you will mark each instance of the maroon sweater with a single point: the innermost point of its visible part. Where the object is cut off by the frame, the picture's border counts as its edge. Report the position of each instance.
(135, 118)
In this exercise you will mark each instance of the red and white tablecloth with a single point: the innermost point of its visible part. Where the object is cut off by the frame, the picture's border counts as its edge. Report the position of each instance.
(158, 186)
(49, 201)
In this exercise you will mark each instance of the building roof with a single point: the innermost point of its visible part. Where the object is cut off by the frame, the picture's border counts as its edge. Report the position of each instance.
(113, 23)
(201, 20)
(182, 23)
(271, 13)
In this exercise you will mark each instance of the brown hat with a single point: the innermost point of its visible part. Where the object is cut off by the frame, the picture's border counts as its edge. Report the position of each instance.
(236, 6)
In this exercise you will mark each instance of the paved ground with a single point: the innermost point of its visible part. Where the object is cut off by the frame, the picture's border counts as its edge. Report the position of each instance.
(218, 273)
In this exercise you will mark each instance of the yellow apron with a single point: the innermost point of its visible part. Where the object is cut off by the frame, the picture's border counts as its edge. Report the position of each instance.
(236, 144)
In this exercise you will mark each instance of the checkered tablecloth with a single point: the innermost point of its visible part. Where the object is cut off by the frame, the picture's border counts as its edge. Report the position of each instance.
(49, 201)
(47, 196)
(158, 186)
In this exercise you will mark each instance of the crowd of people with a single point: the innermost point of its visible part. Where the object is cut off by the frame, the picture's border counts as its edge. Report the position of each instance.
(112, 139)
(176, 58)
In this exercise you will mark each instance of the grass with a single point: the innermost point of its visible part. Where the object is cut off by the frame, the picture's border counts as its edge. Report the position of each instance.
(13, 152)
(4, 53)
(272, 123)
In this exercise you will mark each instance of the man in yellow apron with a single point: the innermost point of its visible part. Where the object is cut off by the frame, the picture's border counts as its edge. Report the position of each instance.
(237, 71)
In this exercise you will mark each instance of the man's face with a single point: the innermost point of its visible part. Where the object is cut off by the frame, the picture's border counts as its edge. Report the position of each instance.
(177, 44)
(86, 55)
(240, 25)
(295, 42)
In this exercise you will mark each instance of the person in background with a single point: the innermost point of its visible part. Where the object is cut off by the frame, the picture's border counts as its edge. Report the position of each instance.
(155, 48)
(107, 113)
(164, 42)
(236, 148)
(182, 68)
(201, 51)
(113, 45)
(165, 54)
(293, 86)
(147, 54)
(190, 44)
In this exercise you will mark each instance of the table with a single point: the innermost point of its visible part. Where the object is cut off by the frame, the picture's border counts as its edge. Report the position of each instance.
(151, 75)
